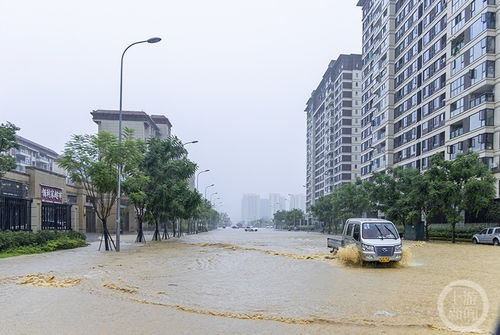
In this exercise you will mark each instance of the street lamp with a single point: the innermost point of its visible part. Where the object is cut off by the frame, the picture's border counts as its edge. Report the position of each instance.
(118, 200)
(211, 195)
(198, 175)
(192, 142)
(207, 188)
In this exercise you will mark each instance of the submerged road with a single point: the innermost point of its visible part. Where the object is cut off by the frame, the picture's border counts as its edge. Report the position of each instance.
(235, 282)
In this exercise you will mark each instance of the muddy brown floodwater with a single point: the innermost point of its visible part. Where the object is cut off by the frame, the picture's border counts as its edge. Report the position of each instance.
(235, 282)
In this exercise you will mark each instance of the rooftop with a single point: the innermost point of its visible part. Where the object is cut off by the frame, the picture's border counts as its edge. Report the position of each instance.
(24, 141)
(154, 120)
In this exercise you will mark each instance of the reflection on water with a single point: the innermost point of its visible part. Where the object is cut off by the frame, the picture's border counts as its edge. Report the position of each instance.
(273, 282)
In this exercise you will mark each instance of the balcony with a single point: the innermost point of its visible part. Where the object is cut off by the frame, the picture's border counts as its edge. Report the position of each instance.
(456, 132)
(478, 100)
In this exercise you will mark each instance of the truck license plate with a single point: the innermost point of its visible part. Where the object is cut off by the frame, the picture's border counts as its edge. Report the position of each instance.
(384, 260)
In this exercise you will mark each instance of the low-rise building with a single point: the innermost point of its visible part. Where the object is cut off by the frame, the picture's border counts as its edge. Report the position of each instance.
(144, 126)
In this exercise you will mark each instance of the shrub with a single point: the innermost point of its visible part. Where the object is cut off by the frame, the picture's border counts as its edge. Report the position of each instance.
(461, 233)
(18, 239)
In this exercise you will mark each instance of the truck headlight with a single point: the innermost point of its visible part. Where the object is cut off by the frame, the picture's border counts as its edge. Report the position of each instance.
(398, 248)
(366, 247)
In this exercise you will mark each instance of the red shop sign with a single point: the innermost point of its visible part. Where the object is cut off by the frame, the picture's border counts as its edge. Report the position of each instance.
(51, 194)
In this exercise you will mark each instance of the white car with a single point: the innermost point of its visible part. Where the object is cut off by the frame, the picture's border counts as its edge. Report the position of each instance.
(250, 228)
(487, 236)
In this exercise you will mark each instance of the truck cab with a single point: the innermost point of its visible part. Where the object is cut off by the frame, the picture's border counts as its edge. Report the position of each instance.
(376, 239)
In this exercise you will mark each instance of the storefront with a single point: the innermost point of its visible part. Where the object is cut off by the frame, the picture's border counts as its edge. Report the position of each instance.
(15, 208)
(55, 214)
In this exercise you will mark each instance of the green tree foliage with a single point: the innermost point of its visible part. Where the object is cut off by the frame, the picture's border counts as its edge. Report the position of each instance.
(225, 220)
(168, 196)
(402, 194)
(350, 200)
(7, 142)
(207, 217)
(322, 210)
(280, 219)
(462, 184)
(136, 185)
(287, 219)
(93, 161)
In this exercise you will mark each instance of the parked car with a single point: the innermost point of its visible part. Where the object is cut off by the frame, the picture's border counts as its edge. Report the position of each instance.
(376, 239)
(250, 228)
(487, 236)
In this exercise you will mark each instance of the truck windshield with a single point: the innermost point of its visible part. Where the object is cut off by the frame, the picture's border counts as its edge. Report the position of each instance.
(379, 230)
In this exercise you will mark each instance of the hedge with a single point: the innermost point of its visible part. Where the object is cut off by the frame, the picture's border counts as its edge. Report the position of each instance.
(461, 233)
(52, 240)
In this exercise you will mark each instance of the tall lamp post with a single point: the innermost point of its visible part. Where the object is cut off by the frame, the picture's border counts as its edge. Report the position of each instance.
(207, 188)
(198, 175)
(118, 200)
(211, 195)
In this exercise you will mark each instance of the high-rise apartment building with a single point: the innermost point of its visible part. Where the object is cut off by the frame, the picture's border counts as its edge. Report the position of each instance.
(250, 207)
(378, 84)
(264, 209)
(277, 202)
(297, 201)
(429, 82)
(472, 118)
(333, 128)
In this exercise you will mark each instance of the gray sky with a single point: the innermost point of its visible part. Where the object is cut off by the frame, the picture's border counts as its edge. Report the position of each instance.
(234, 75)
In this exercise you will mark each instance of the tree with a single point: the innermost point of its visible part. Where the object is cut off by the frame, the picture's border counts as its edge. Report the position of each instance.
(322, 210)
(93, 161)
(203, 214)
(7, 142)
(184, 204)
(464, 183)
(280, 218)
(136, 186)
(350, 200)
(168, 169)
(225, 220)
(493, 213)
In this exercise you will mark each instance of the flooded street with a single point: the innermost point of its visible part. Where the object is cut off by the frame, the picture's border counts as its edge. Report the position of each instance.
(235, 282)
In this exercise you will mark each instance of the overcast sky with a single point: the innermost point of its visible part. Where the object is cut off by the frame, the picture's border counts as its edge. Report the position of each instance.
(233, 74)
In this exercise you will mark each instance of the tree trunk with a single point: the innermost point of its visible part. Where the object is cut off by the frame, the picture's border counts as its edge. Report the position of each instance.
(106, 236)
(156, 235)
(453, 238)
(140, 232)
(165, 231)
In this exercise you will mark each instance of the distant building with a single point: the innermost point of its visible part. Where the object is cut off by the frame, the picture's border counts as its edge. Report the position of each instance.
(250, 207)
(297, 201)
(144, 126)
(265, 209)
(277, 202)
(333, 128)
(31, 154)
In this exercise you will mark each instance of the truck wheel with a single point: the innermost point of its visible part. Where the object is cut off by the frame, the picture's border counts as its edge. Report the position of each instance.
(474, 240)
(496, 242)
